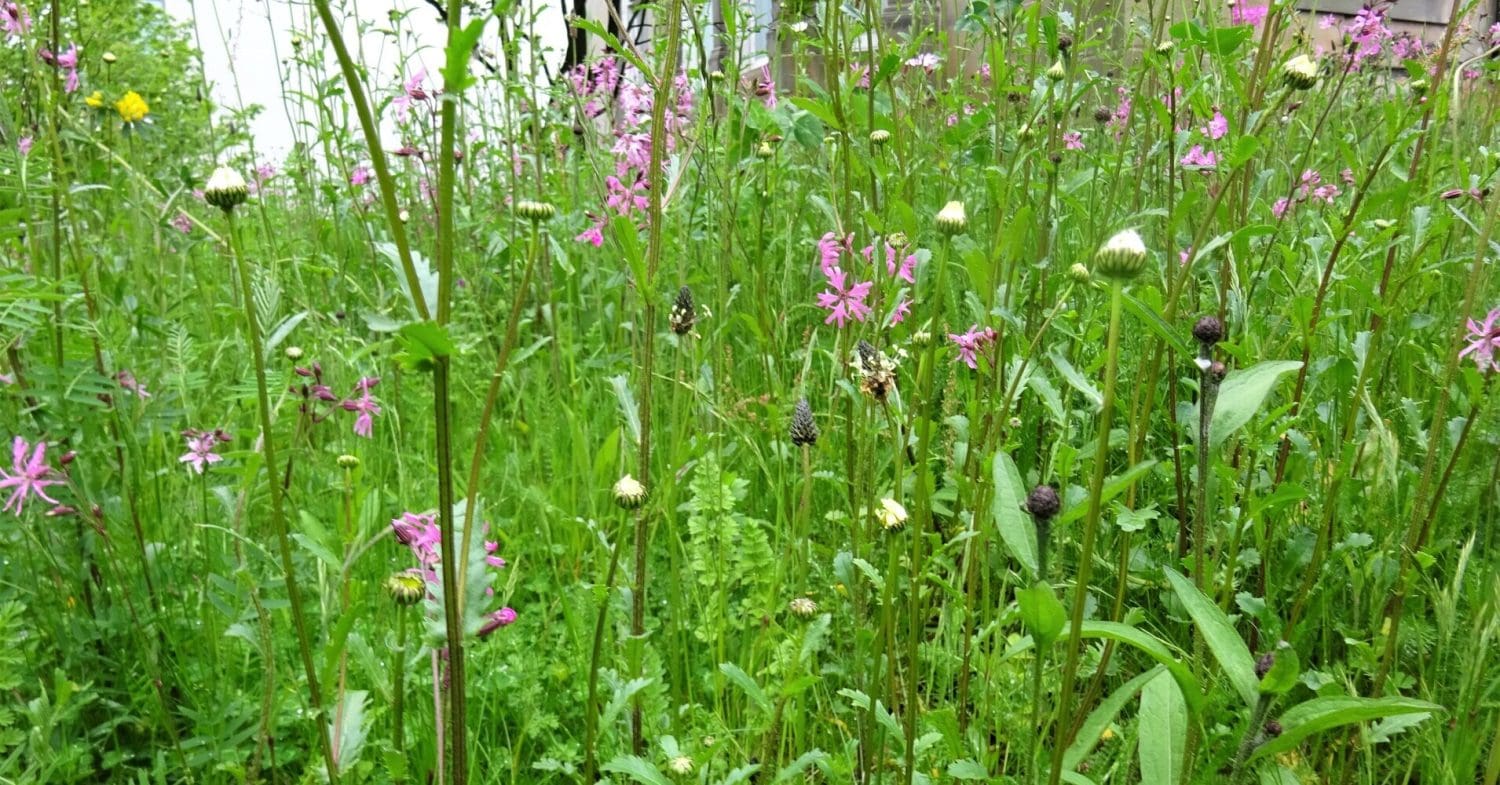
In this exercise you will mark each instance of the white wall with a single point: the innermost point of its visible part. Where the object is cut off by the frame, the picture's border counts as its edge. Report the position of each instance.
(245, 42)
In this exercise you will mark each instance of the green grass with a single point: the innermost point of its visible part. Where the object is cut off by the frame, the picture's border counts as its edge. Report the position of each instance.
(1279, 570)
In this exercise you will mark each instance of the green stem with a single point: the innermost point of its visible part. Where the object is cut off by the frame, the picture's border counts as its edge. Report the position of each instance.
(278, 518)
(591, 708)
(1090, 533)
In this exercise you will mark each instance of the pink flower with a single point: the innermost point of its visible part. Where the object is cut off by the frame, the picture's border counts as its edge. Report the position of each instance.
(830, 248)
(842, 301)
(14, 20)
(1241, 14)
(1484, 339)
(1184, 255)
(128, 382)
(903, 310)
(971, 343)
(765, 88)
(1494, 34)
(1073, 140)
(623, 199)
(1217, 127)
(182, 223)
(360, 176)
(69, 61)
(863, 72)
(411, 91)
(1121, 116)
(926, 61)
(494, 621)
(23, 146)
(27, 476)
(594, 235)
(1198, 157)
(1367, 34)
(421, 534)
(490, 546)
(365, 404)
(1327, 22)
(906, 271)
(952, 119)
(201, 445)
(1279, 209)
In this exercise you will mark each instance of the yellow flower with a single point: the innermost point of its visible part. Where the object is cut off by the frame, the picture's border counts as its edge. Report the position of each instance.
(132, 107)
(96, 99)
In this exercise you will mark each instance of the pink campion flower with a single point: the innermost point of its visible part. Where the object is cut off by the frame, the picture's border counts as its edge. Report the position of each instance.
(862, 71)
(1327, 22)
(765, 88)
(927, 61)
(1217, 126)
(634, 151)
(843, 301)
(1407, 47)
(1170, 99)
(28, 476)
(830, 248)
(1242, 14)
(494, 621)
(1121, 116)
(14, 20)
(1280, 207)
(594, 235)
(182, 223)
(201, 446)
(906, 271)
(1484, 339)
(23, 146)
(1184, 255)
(971, 343)
(68, 61)
(365, 404)
(411, 91)
(130, 384)
(1073, 140)
(952, 119)
(1367, 34)
(490, 546)
(264, 172)
(901, 311)
(1326, 192)
(1494, 34)
(1198, 157)
(1470, 74)
(421, 534)
(984, 72)
(625, 198)
(360, 176)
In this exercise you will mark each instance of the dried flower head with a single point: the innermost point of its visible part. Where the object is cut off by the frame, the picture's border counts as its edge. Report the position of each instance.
(1209, 330)
(877, 372)
(347, 461)
(804, 430)
(683, 314)
(1043, 502)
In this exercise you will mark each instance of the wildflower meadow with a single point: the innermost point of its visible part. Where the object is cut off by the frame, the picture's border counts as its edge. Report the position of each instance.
(990, 391)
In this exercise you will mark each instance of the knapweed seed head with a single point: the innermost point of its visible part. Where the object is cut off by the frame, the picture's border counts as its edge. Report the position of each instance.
(1043, 502)
(225, 189)
(891, 515)
(1103, 114)
(952, 219)
(535, 211)
(803, 607)
(683, 314)
(630, 494)
(1300, 73)
(406, 588)
(804, 430)
(1122, 257)
(1209, 330)
(1264, 663)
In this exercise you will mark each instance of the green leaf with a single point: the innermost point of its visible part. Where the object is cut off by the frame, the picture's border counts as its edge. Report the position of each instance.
(803, 762)
(1113, 487)
(1241, 395)
(746, 684)
(1148, 315)
(1041, 612)
(1015, 525)
(1100, 718)
(817, 109)
(1320, 714)
(1163, 722)
(627, 239)
(456, 76)
(423, 343)
(638, 769)
(1075, 379)
(1282, 676)
(967, 770)
(1148, 644)
(1227, 646)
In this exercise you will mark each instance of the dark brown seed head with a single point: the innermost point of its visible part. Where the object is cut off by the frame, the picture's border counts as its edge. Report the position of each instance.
(1264, 663)
(1043, 503)
(683, 314)
(1064, 43)
(1273, 729)
(1103, 114)
(804, 430)
(1209, 330)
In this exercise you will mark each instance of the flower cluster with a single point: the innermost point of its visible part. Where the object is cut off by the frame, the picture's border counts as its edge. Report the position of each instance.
(201, 444)
(970, 344)
(67, 61)
(312, 392)
(14, 20)
(1484, 340)
(412, 93)
(1310, 187)
(423, 536)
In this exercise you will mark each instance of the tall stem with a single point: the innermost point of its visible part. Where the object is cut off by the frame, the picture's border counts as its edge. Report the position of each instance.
(278, 519)
(1062, 727)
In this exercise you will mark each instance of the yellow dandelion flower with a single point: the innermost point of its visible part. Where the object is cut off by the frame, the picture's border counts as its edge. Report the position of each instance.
(95, 99)
(132, 107)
